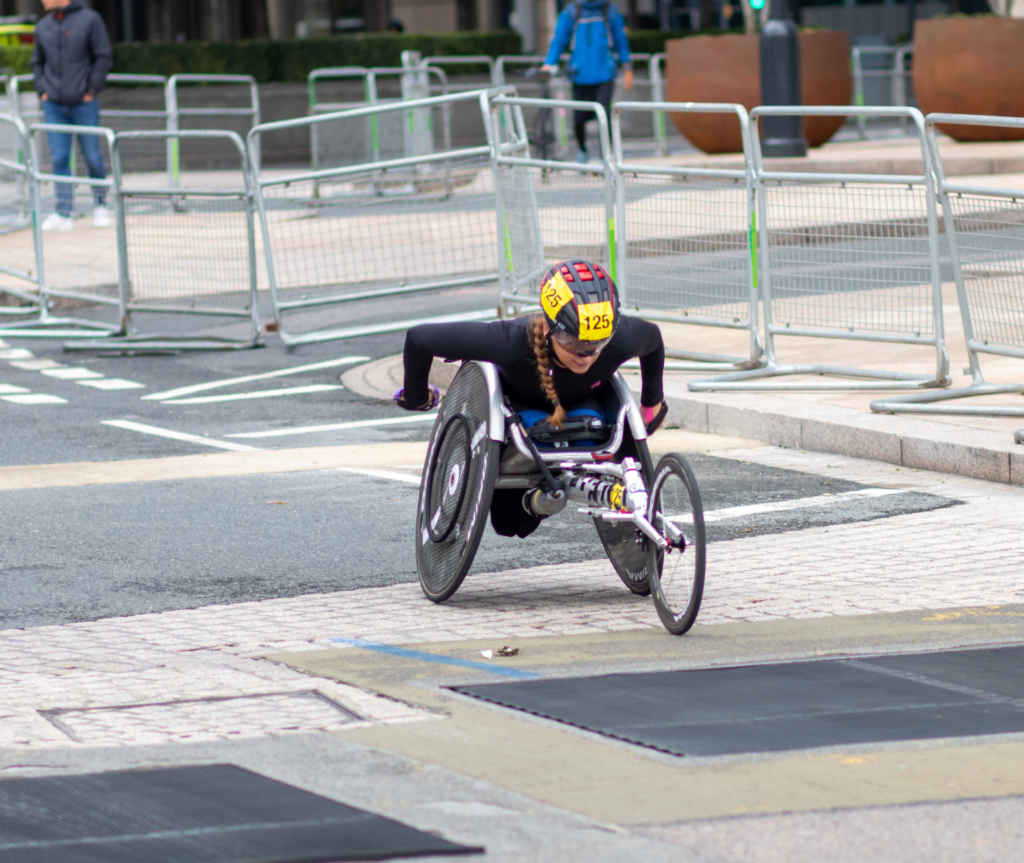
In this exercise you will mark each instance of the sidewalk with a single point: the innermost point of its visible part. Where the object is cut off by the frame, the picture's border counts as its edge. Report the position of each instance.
(842, 421)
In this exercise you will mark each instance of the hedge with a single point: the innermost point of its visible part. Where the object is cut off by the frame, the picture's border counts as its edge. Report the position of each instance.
(293, 59)
(285, 59)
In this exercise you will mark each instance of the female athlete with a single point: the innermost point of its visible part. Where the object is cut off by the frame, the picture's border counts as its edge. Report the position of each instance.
(553, 365)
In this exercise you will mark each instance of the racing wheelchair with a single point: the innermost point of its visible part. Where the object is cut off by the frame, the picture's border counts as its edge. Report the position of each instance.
(649, 519)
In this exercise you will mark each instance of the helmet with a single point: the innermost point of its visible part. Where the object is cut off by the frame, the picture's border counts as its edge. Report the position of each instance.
(580, 303)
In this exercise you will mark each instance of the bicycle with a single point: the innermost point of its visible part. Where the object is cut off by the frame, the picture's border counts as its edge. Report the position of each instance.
(650, 519)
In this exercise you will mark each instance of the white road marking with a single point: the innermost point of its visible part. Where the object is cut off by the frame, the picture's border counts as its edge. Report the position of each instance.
(3, 344)
(35, 399)
(786, 505)
(190, 438)
(10, 390)
(261, 394)
(72, 374)
(229, 382)
(111, 384)
(358, 424)
(35, 365)
(383, 474)
(16, 354)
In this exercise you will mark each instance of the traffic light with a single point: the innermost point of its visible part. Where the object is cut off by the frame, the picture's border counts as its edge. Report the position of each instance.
(757, 5)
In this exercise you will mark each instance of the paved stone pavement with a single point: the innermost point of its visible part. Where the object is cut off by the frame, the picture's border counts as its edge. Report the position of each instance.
(198, 674)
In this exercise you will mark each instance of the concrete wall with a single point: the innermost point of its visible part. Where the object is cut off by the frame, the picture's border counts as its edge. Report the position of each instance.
(425, 16)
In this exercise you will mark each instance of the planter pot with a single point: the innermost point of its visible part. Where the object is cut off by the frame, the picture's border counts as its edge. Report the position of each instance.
(727, 69)
(971, 66)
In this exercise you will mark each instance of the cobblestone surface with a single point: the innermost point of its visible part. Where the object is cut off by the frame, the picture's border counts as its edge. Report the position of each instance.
(141, 679)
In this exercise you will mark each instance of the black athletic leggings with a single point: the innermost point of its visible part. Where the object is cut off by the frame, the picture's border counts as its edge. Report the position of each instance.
(591, 93)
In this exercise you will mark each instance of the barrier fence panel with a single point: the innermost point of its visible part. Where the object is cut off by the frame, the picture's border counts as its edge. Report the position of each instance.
(385, 228)
(332, 147)
(685, 236)
(19, 266)
(880, 76)
(187, 250)
(846, 256)
(464, 121)
(548, 211)
(530, 83)
(644, 130)
(985, 229)
(206, 111)
(80, 264)
(114, 115)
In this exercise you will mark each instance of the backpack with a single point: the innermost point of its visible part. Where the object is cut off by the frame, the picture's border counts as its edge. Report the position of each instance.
(578, 20)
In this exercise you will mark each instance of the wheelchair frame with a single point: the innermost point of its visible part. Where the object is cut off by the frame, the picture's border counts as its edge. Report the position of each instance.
(587, 476)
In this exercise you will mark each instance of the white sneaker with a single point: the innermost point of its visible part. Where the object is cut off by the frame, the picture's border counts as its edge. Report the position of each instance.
(101, 217)
(57, 222)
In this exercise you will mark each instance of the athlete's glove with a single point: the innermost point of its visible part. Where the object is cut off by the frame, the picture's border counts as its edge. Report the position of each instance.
(654, 417)
(431, 403)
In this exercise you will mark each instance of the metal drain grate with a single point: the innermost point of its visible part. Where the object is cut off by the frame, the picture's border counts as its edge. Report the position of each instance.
(787, 706)
(205, 814)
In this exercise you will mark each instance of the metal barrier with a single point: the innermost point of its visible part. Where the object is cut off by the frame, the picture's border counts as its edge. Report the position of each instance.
(19, 264)
(82, 265)
(547, 211)
(653, 84)
(985, 228)
(184, 250)
(558, 87)
(480, 60)
(846, 256)
(685, 236)
(27, 106)
(408, 136)
(896, 75)
(386, 228)
(176, 114)
(465, 116)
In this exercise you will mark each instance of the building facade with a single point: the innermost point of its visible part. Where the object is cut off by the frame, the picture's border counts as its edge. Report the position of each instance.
(225, 20)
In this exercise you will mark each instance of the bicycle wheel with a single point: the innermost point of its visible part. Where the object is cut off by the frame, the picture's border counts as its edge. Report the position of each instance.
(619, 539)
(677, 577)
(458, 482)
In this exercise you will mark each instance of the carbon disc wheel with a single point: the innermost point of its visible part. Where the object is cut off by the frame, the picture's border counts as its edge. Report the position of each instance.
(677, 576)
(458, 482)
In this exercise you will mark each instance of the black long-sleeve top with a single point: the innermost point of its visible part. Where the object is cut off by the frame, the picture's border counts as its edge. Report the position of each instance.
(507, 345)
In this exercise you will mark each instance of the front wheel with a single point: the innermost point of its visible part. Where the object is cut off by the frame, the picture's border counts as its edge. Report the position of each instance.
(677, 575)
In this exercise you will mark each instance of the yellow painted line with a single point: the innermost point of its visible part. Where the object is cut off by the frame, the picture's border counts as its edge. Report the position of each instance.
(361, 456)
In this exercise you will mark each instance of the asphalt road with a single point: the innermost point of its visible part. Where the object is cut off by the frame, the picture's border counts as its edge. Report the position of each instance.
(73, 429)
(110, 550)
(83, 553)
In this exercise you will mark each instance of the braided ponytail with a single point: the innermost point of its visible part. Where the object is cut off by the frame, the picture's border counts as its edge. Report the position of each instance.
(539, 343)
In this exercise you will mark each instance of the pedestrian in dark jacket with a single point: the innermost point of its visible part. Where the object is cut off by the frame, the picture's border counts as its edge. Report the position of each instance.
(593, 31)
(71, 61)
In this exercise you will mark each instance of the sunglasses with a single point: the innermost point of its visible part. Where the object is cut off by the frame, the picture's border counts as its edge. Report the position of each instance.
(574, 348)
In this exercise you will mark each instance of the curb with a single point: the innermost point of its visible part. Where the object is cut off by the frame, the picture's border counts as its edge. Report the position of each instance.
(904, 441)
(908, 442)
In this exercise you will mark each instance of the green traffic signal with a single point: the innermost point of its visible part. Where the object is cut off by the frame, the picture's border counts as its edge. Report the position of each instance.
(757, 4)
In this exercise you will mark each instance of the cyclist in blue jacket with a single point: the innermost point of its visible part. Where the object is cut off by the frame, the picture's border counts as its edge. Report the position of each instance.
(594, 33)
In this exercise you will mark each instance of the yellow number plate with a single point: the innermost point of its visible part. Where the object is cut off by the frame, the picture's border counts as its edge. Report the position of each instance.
(555, 294)
(595, 321)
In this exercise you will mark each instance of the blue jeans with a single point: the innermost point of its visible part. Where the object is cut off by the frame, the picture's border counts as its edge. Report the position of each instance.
(82, 114)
